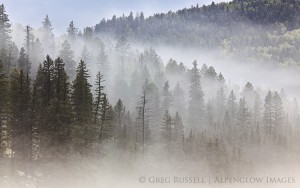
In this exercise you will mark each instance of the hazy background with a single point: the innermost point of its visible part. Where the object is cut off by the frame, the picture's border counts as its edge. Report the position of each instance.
(86, 12)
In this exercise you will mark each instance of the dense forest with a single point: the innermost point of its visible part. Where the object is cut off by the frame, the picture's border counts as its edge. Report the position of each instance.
(85, 96)
(264, 31)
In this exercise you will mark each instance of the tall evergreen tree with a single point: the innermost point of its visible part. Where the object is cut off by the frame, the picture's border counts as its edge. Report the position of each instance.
(243, 117)
(67, 55)
(103, 60)
(81, 96)
(107, 117)
(82, 100)
(72, 31)
(166, 130)
(196, 103)
(278, 113)
(167, 97)
(48, 71)
(178, 129)
(4, 28)
(29, 38)
(98, 97)
(3, 108)
(119, 115)
(269, 113)
(47, 25)
(20, 97)
(23, 62)
(232, 107)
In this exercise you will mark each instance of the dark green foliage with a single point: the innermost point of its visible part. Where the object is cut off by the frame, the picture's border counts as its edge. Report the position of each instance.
(98, 97)
(20, 97)
(81, 96)
(4, 28)
(23, 62)
(107, 117)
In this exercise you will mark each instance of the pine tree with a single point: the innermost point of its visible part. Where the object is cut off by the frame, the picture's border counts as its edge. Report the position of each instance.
(57, 123)
(3, 87)
(232, 107)
(178, 129)
(122, 48)
(82, 96)
(167, 97)
(23, 62)
(3, 108)
(243, 117)
(60, 80)
(196, 103)
(48, 36)
(20, 97)
(4, 28)
(72, 31)
(48, 70)
(220, 104)
(103, 63)
(211, 74)
(278, 113)
(67, 55)
(166, 130)
(119, 114)
(85, 56)
(107, 117)
(269, 113)
(257, 110)
(98, 96)
(6, 58)
(82, 100)
(179, 100)
(29, 37)
(47, 25)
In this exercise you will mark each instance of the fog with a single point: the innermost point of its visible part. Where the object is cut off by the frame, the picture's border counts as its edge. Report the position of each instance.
(216, 120)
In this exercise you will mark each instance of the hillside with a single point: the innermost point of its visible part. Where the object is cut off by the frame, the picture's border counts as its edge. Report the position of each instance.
(248, 28)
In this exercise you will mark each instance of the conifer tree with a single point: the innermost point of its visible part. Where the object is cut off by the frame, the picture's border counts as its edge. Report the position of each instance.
(29, 37)
(269, 113)
(3, 107)
(23, 62)
(72, 31)
(59, 119)
(82, 96)
(119, 114)
(167, 97)
(178, 129)
(107, 117)
(98, 97)
(82, 101)
(278, 113)
(47, 25)
(47, 87)
(103, 63)
(20, 97)
(166, 130)
(4, 28)
(67, 55)
(196, 103)
(232, 107)
(243, 117)
(179, 100)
